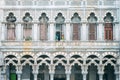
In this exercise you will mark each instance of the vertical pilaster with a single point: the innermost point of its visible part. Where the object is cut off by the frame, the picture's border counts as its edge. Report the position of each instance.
(35, 32)
(19, 31)
(68, 32)
(3, 32)
(52, 32)
(100, 32)
(115, 32)
(84, 32)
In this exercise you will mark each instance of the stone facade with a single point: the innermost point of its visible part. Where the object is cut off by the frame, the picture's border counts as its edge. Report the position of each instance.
(59, 40)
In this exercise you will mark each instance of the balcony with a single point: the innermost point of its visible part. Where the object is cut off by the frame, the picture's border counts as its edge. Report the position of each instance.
(60, 46)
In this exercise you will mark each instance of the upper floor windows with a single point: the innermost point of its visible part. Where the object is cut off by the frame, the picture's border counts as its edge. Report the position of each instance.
(59, 33)
(108, 29)
(60, 27)
(92, 30)
(27, 27)
(76, 26)
(11, 26)
(43, 26)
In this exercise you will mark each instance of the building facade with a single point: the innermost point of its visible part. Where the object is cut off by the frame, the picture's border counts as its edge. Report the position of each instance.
(59, 40)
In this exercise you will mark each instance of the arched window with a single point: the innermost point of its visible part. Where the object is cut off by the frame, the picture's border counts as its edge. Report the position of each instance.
(108, 29)
(27, 29)
(11, 26)
(76, 26)
(59, 27)
(92, 32)
(43, 26)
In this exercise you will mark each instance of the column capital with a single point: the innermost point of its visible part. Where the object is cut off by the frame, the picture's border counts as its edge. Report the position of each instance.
(52, 69)
(68, 69)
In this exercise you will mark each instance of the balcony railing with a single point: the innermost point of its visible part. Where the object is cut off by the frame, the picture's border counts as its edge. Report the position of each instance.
(60, 45)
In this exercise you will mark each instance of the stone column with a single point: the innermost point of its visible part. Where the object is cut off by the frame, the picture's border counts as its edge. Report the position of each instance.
(68, 32)
(100, 71)
(100, 32)
(68, 71)
(19, 70)
(51, 76)
(52, 71)
(52, 32)
(35, 32)
(35, 71)
(84, 32)
(119, 73)
(19, 31)
(19, 75)
(84, 71)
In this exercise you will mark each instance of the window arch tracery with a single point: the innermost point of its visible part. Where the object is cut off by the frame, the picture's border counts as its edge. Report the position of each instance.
(59, 27)
(11, 19)
(27, 30)
(43, 19)
(108, 29)
(76, 26)
(92, 32)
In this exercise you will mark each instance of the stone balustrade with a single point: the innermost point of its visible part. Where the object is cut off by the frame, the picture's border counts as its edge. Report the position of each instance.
(61, 45)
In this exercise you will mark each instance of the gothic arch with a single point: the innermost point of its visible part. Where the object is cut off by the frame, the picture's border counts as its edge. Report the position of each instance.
(114, 54)
(43, 53)
(11, 53)
(27, 59)
(43, 59)
(92, 53)
(11, 59)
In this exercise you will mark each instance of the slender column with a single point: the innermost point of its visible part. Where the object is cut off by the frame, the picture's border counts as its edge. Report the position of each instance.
(19, 70)
(68, 32)
(19, 32)
(84, 32)
(100, 32)
(51, 76)
(19, 76)
(35, 70)
(84, 71)
(52, 32)
(52, 71)
(68, 76)
(119, 72)
(35, 32)
(100, 71)
(68, 71)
